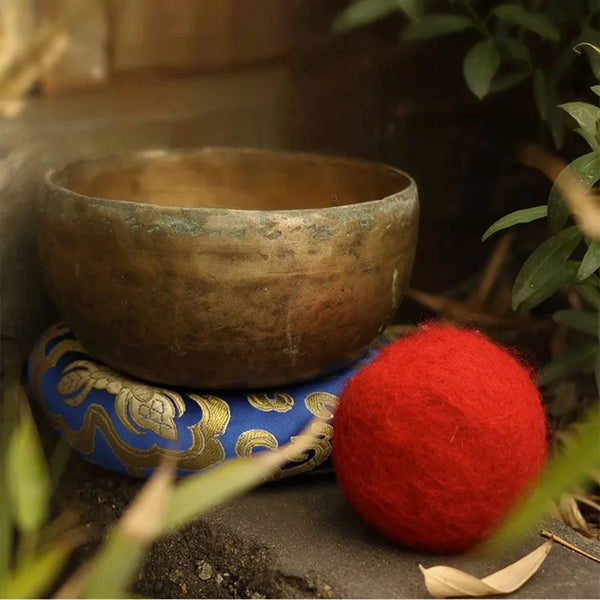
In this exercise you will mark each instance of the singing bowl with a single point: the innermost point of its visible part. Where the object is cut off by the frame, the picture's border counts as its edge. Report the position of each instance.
(227, 268)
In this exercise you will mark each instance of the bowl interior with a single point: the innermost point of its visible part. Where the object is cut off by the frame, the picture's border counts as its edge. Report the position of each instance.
(239, 179)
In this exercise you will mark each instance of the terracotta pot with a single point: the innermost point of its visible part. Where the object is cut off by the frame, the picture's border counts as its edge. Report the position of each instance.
(227, 268)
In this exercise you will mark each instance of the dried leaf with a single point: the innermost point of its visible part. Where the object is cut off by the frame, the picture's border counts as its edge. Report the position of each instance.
(571, 515)
(448, 582)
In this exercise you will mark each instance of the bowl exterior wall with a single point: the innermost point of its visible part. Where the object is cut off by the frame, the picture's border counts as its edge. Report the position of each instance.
(218, 298)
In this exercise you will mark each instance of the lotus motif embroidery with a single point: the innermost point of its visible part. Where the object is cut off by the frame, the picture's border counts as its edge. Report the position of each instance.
(136, 404)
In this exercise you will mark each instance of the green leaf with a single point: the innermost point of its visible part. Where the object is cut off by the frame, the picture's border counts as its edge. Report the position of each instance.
(542, 273)
(546, 100)
(587, 169)
(480, 65)
(592, 140)
(117, 562)
(12, 358)
(435, 25)
(566, 471)
(580, 320)
(541, 94)
(589, 294)
(589, 44)
(507, 81)
(27, 476)
(363, 12)
(596, 89)
(554, 282)
(412, 8)
(585, 114)
(35, 574)
(159, 508)
(591, 261)
(533, 21)
(515, 48)
(574, 360)
(197, 494)
(526, 215)
(597, 371)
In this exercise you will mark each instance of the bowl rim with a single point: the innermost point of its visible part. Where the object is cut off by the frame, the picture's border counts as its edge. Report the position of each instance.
(406, 194)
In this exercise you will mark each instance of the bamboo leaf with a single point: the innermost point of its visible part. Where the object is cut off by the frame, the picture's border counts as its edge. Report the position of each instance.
(580, 320)
(197, 494)
(480, 66)
(597, 365)
(12, 360)
(584, 113)
(363, 12)
(587, 170)
(570, 468)
(160, 508)
(575, 359)
(589, 294)
(448, 582)
(436, 25)
(118, 560)
(591, 261)
(542, 273)
(27, 475)
(536, 22)
(35, 574)
(526, 215)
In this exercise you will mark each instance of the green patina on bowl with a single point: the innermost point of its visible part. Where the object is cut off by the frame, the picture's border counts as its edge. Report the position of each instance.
(227, 268)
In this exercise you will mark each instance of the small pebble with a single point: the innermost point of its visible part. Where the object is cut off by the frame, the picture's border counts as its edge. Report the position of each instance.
(204, 570)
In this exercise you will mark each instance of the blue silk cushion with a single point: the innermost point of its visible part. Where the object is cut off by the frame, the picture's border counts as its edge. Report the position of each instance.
(127, 425)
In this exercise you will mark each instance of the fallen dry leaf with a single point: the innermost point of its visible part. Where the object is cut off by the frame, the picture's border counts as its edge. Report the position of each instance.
(571, 515)
(448, 582)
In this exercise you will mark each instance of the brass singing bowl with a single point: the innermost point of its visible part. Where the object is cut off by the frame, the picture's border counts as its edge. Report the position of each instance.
(227, 268)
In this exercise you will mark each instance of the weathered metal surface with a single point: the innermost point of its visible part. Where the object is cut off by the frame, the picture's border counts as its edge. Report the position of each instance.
(227, 268)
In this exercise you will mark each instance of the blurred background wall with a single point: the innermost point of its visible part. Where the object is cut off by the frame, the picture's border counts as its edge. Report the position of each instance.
(92, 77)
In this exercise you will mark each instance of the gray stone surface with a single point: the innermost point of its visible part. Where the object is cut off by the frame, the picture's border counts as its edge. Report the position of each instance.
(314, 534)
(300, 539)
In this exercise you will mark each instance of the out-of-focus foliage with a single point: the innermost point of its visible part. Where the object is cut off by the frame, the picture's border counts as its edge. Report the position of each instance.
(33, 551)
(512, 41)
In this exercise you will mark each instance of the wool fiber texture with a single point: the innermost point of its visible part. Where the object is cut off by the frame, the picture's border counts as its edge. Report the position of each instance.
(438, 437)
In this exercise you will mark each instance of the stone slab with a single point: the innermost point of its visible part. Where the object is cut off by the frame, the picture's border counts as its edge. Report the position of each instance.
(301, 539)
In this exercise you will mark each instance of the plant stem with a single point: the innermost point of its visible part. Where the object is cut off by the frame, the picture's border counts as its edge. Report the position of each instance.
(549, 535)
(477, 20)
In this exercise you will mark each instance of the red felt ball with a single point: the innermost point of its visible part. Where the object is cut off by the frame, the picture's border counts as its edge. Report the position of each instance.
(436, 438)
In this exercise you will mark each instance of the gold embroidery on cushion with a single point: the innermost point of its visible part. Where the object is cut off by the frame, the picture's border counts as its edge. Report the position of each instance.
(279, 402)
(321, 404)
(136, 403)
(205, 449)
(214, 422)
(202, 453)
(255, 438)
(319, 446)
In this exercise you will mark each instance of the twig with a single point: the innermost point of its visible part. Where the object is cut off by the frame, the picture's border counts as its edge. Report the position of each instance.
(492, 270)
(549, 535)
